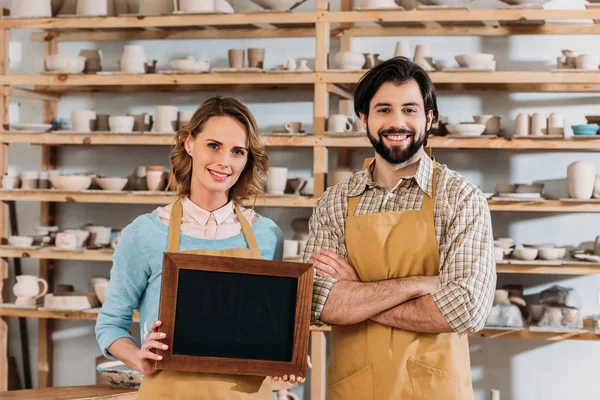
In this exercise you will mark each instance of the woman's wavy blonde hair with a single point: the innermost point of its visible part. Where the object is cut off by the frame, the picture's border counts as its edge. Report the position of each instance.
(252, 178)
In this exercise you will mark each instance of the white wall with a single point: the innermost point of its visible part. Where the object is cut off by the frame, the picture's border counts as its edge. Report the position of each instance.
(520, 369)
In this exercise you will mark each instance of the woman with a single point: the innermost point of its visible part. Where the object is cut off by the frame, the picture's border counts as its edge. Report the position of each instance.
(217, 163)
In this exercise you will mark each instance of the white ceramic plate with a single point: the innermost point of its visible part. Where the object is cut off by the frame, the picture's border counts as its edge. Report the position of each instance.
(31, 127)
(238, 70)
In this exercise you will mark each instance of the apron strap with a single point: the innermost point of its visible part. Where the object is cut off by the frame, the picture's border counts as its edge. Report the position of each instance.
(428, 201)
(175, 227)
(352, 205)
(248, 232)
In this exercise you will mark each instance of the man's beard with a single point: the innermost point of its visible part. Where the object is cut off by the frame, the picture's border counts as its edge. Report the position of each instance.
(394, 154)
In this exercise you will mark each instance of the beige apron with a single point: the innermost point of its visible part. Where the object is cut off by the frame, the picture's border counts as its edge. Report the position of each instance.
(372, 361)
(165, 384)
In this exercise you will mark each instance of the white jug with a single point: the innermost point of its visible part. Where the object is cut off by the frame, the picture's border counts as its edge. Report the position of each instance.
(27, 289)
(133, 59)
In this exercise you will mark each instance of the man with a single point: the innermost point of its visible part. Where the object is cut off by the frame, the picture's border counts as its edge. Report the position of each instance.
(405, 253)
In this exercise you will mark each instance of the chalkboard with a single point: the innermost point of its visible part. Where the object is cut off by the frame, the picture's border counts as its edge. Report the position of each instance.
(235, 315)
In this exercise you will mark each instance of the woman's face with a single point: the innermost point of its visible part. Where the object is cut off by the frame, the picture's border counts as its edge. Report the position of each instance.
(219, 153)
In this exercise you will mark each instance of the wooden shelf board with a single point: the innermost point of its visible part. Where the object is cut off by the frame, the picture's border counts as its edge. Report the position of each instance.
(131, 139)
(165, 21)
(544, 206)
(456, 30)
(445, 15)
(486, 333)
(98, 196)
(105, 255)
(564, 269)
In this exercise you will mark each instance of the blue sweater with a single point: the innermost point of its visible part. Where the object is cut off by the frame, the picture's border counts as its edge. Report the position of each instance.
(135, 277)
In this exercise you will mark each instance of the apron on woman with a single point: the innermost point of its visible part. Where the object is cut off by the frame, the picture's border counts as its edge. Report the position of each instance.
(167, 384)
(372, 361)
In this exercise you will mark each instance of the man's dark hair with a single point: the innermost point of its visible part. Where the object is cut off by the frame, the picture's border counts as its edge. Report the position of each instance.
(397, 70)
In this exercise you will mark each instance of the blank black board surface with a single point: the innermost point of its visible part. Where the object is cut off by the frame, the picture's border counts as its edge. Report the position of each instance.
(234, 315)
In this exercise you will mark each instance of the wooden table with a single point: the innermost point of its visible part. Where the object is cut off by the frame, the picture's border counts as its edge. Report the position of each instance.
(72, 393)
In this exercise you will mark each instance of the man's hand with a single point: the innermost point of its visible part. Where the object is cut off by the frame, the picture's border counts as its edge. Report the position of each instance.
(332, 265)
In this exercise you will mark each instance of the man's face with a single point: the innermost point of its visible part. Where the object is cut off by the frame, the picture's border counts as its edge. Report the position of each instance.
(397, 123)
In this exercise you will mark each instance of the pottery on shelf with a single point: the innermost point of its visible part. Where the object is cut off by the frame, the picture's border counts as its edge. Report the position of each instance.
(402, 49)
(276, 180)
(165, 119)
(293, 127)
(142, 122)
(66, 240)
(65, 64)
(184, 118)
(236, 58)
(99, 235)
(120, 375)
(31, 8)
(296, 185)
(375, 4)
(81, 235)
(190, 64)
(585, 130)
(539, 124)
(491, 122)
(133, 60)
(93, 8)
(466, 129)
(423, 57)
(551, 253)
(523, 125)
(121, 123)
(27, 289)
(156, 7)
(20, 241)
(526, 254)
(303, 66)
(339, 123)
(72, 183)
(596, 193)
(100, 290)
(349, 61)
(115, 184)
(256, 58)
(581, 177)
(476, 61)
(587, 62)
(290, 248)
(556, 124)
(83, 121)
(155, 180)
(279, 5)
(93, 61)
(338, 176)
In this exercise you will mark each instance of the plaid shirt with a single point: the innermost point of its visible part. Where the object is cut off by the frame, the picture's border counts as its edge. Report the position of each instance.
(463, 230)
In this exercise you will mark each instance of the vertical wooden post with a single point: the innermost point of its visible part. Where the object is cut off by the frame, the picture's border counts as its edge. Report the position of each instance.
(47, 218)
(345, 106)
(4, 43)
(321, 101)
(318, 375)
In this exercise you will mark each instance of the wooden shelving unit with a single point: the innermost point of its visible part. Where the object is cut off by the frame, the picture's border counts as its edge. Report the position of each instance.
(321, 25)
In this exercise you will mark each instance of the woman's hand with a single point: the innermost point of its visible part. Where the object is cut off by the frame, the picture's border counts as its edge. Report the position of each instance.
(294, 378)
(145, 358)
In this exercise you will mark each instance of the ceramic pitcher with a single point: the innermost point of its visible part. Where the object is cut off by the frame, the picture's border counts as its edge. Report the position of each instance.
(27, 289)
(133, 59)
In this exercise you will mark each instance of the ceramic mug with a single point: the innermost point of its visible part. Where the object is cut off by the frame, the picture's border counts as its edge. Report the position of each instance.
(165, 119)
(155, 180)
(27, 289)
(83, 120)
(556, 124)
(236, 58)
(539, 124)
(256, 58)
(293, 127)
(276, 180)
(339, 123)
(133, 60)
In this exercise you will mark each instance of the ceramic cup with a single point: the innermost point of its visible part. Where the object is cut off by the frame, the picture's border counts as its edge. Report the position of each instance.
(539, 124)
(142, 122)
(133, 60)
(402, 49)
(155, 180)
(236, 58)
(99, 235)
(185, 118)
(293, 127)
(93, 61)
(29, 179)
(358, 126)
(337, 176)
(9, 182)
(554, 316)
(66, 240)
(165, 119)
(102, 124)
(83, 120)
(290, 248)
(339, 123)
(523, 125)
(556, 124)
(587, 62)
(491, 122)
(121, 124)
(423, 56)
(82, 236)
(256, 57)
(276, 180)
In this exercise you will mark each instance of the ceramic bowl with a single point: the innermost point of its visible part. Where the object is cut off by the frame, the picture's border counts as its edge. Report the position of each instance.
(506, 188)
(525, 2)
(539, 245)
(100, 290)
(121, 123)
(20, 241)
(349, 61)
(71, 182)
(526, 254)
(45, 230)
(65, 64)
(475, 60)
(282, 5)
(190, 64)
(120, 375)
(504, 244)
(466, 129)
(548, 253)
(593, 119)
(531, 188)
(113, 184)
(585, 130)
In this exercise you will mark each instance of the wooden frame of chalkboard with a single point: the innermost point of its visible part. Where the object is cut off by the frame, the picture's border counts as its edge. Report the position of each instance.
(272, 341)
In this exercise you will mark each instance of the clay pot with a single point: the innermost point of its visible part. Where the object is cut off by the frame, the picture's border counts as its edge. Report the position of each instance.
(236, 58)
(402, 49)
(293, 127)
(276, 180)
(92, 7)
(93, 61)
(349, 61)
(156, 7)
(501, 296)
(491, 122)
(133, 59)
(256, 58)
(83, 121)
(539, 124)
(581, 176)
(523, 125)
(339, 123)
(165, 119)
(142, 122)
(155, 180)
